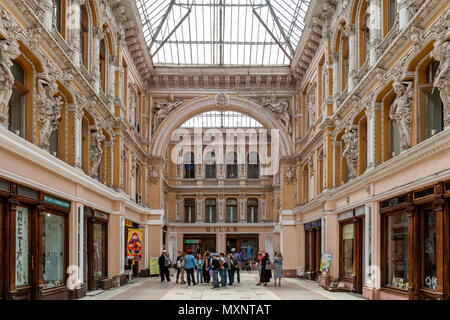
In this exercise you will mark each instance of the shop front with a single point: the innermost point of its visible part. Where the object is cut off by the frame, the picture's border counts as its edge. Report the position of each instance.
(313, 248)
(246, 244)
(415, 244)
(34, 243)
(199, 243)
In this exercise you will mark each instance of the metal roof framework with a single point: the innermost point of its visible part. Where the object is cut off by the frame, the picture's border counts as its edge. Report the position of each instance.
(222, 32)
(221, 119)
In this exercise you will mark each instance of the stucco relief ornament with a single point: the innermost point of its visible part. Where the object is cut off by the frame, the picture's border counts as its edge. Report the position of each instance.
(290, 174)
(280, 109)
(442, 81)
(95, 151)
(9, 50)
(401, 112)
(163, 109)
(152, 175)
(49, 110)
(222, 100)
(312, 110)
(351, 152)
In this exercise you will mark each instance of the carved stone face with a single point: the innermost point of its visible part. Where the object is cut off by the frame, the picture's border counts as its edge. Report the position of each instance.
(399, 89)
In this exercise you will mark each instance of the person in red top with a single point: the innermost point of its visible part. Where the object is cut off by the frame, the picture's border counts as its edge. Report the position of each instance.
(259, 259)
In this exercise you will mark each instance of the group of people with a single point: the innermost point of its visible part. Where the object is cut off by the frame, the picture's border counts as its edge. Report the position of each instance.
(218, 269)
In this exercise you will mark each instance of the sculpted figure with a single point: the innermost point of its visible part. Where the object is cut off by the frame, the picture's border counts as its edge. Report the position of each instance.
(281, 110)
(442, 81)
(401, 112)
(351, 152)
(95, 152)
(312, 110)
(8, 52)
(49, 110)
(290, 174)
(163, 109)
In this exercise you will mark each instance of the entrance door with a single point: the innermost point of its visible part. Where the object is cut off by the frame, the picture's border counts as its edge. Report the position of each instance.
(231, 243)
(359, 254)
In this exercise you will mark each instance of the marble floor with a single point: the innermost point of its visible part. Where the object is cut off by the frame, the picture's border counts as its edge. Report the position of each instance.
(153, 289)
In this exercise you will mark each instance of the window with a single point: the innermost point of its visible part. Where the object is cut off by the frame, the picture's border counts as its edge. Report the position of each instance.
(57, 14)
(210, 205)
(189, 211)
(345, 62)
(221, 119)
(347, 249)
(395, 139)
(366, 34)
(189, 166)
(232, 211)
(232, 168)
(53, 250)
(16, 105)
(210, 165)
(392, 6)
(252, 210)
(429, 279)
(102, 65)
(84, 34)
(99, 240)
(396, 250)
(53, 142)
(253, 165)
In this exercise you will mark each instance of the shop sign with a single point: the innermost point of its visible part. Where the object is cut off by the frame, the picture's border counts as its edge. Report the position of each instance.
(192, 241)
(128, 224)
(222, 229)
(154, 267)
(57, 202)
(347, 231)
(101, 215)
(134, 247)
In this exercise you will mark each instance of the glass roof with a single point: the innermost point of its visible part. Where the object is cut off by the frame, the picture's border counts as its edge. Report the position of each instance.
(219, 119)
(222, 32)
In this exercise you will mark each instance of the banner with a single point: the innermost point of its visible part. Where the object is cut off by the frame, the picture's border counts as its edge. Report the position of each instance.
(154, 267)
(134, 247)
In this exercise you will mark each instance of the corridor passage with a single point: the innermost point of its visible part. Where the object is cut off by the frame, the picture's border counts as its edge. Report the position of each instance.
(153, 289)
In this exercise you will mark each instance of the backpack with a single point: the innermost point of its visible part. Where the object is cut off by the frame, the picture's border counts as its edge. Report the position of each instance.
(215, 264)
(268, 265)
(235, 262)
(225, 263)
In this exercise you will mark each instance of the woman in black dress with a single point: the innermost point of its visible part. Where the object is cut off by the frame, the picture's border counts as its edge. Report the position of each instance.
(266, 270)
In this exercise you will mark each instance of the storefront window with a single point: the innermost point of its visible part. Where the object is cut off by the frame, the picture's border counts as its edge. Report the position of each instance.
(249, 249)
(53, 250)
(429, 250)
(22, 218)
(99, 249)
(397, 251)
(347, 250)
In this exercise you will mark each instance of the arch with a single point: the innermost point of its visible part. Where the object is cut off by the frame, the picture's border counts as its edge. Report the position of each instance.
(194, 107)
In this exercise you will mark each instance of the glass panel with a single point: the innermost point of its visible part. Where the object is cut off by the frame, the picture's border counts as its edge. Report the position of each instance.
(16, 113)
(434, 113)
(54, 143)
(397, 251)
(347, 250)
(392, 12)
(99, 249)
(22, 254)
(395, 140)
(17, 72)
(249, 249)
(53, 250)
(429, 250)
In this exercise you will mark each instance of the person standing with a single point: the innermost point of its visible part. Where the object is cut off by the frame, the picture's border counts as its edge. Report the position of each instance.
(258, 266)
(164, 263)
(199, 263)
(266, 269)
(278, 274)
(182, 267)
(224, 270)
(231, 269)
(178, 265)
(237, 260)
(190, 266)
(206, 266)
(215, 265)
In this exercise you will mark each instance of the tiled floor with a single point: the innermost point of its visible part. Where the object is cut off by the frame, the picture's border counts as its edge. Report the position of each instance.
(153, 289)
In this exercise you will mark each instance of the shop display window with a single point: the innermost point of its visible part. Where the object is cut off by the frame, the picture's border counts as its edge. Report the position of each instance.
(22, 249)
(99, 249)
(429, 250)
(396, 237)
(347, 250)
(53, 250)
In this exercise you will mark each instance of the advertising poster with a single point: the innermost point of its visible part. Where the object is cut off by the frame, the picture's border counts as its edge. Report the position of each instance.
(325, 261)
(134, 247)
(154, 267)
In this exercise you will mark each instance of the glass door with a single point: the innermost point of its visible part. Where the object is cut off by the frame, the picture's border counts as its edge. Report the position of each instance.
(24, 261)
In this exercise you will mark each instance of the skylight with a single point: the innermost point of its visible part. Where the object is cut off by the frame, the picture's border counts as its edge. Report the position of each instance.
(222, 32)
(218, 119)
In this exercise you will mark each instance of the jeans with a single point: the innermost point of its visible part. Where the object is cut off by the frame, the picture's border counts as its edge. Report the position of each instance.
(231, 276)
(216, 278)
(199, 275)
(223, 276)
(206, 277)
(190, 276)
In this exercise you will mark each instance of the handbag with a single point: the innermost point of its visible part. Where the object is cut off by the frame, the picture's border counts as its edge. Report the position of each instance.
(268, 265)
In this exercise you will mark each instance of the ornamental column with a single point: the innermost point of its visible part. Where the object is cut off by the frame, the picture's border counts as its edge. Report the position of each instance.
(371, 115)
(375, 28)
(77, 114)
(336, 81)
(98, 36)
(350, 32)
(199, 207)
(74, 19)
(112, 77)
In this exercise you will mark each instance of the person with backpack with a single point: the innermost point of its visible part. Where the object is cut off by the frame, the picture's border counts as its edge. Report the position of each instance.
(224, 269)
(215, 267)
(237, 263)
(231, 269)
(266, 269)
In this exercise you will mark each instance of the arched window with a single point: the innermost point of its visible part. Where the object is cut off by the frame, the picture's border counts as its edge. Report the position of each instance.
(430, 103)
(189, 210)
(252, 210)
(232, 211)
(321, 171)
(345, 62)
(102, 65)
(16, 105)
(253, 166)
(366, 35)
(232, 167)
(210, 165)
(84, 35)
(210, 214)
(189, 166)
